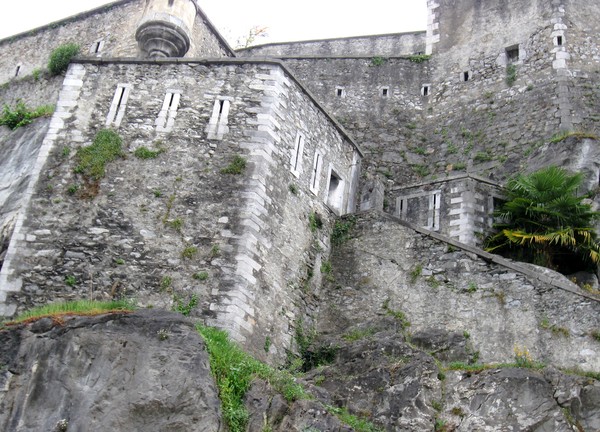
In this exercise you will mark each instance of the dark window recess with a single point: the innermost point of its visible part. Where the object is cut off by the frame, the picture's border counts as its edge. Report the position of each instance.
(465, 76)
(512, 54)
(17, 71)
(384, 92)
(425, 91)
(340, 92)
(171, 2)
(221, 105)
(559, 40)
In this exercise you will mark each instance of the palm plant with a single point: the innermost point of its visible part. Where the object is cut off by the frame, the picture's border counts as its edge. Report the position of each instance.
(544, 221)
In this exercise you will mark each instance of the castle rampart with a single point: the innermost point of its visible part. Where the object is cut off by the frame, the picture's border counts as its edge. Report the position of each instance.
(156, 223)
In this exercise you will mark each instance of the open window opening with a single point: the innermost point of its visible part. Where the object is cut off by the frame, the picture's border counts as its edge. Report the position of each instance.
(425, 90)
(335, 191)
(17, 71)
(512, 54)
(558, 41)
(340, 92)
(385, 91)
(465, 76)
(171, 2)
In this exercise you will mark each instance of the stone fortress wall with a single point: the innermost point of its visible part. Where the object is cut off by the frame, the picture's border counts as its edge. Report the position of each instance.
(444, 120)
(249, 232)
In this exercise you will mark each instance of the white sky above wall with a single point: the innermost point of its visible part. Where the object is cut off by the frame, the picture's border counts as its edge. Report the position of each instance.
(285, 20)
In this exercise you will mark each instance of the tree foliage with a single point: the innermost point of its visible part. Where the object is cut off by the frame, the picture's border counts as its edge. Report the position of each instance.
(544, 222)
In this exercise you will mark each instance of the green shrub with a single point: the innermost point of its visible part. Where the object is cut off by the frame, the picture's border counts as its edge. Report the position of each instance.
(22, 115)
(511, 74)
(237, 166)
(419, 58)
(93, 159)
(61, 57)
(184, 307)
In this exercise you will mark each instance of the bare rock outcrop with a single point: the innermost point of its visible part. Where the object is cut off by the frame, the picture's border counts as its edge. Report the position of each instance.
(145, 371)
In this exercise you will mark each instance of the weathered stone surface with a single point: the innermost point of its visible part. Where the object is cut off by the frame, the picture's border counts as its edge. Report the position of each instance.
(143, 371)
(439, 286)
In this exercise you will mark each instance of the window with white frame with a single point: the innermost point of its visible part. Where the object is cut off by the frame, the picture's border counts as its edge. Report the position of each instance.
(218, 123)
(166, 117)
(296, 159)
(96, 48)
(118, 105)
(316, 173)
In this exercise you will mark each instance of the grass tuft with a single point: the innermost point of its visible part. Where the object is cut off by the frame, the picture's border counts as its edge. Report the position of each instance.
(107, 147)
(79, 307)
(234, 371)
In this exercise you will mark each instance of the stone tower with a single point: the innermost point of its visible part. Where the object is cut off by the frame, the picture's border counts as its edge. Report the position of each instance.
(166, 28)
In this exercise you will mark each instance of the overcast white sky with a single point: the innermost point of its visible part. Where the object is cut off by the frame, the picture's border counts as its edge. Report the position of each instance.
(285, 20)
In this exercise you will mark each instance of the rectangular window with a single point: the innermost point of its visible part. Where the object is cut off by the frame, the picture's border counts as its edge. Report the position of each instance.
(296, 159)
(118, 105)
(512, 54)
(340, 92)
(425, 90)
(385, 91)
(171, 2)
(316, 173)
(166, 117)
(335, 191)
(464, 76)
(217, 125)
(17, 71)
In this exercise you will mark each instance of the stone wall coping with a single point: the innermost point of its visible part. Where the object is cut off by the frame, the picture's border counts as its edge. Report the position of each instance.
(226, 61)
(104, 8)
(342, 57)
(376, 36)
(475, 177)
(556, 282)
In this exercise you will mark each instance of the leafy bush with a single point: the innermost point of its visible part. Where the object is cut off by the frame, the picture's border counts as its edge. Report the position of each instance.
(237, 166)
(544, 222)
(22, 115)
(93, 159)
(61, 57)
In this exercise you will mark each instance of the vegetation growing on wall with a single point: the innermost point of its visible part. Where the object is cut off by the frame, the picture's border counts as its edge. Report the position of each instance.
(61, 57)
(234, 371)
(80, 307)
(544, 222)
(22, 115)
(92, 159)
(237, 166)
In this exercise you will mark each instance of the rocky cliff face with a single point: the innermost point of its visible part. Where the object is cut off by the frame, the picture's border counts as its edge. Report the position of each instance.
(150, 371)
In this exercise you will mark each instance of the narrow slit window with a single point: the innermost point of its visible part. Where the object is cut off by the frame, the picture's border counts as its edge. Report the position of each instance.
(316, 173)
(166, 117)
(559, 40)
(96, 47)
(17, 71)
(425, 90)
(296, 159)
(465, 76)
(433, 217)
(385, 91)
(118, 105)
(340, 92)
(219, 120)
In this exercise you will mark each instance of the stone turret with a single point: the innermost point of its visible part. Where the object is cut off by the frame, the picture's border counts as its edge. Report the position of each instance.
(166, 28)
